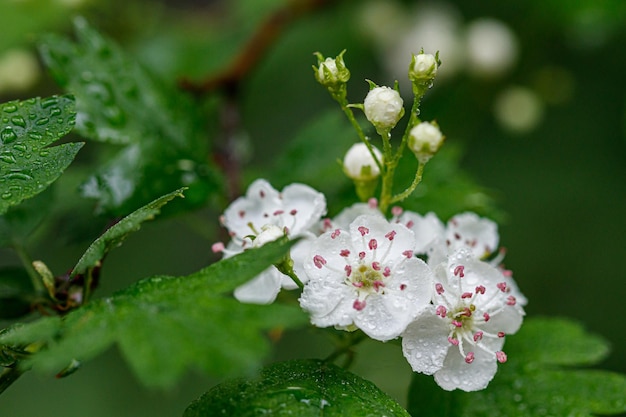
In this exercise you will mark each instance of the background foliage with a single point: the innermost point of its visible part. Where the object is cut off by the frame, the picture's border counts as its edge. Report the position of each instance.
(557, 187)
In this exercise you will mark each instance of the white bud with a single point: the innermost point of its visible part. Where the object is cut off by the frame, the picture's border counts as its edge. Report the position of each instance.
(358, 163)
(383, 108)
(423, 68)
(328, 69)
(425, 139)
(269, 233)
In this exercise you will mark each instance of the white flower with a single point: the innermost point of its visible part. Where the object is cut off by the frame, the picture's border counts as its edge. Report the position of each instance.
(425, 139)
(366, 277)
(459, 338)
(358, 163)
(465, 230)
(263, 215)
(383, 108)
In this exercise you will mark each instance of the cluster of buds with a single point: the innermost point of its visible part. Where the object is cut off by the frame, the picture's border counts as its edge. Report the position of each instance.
(384, 108)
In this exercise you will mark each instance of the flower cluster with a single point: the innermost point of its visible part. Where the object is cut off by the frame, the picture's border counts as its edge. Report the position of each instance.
(438, 286)
(435, 285)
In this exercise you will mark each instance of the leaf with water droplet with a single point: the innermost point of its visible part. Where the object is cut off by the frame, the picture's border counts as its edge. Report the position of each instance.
(303, 388)
(26, 167)
(119, 102)
(167, 325)
(541, 377)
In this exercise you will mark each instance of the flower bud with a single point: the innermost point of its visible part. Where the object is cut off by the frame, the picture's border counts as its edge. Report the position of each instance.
(383, 108)
(269, 233)
(425, 139)
(360, 166)
(331, 72)
(423, 68)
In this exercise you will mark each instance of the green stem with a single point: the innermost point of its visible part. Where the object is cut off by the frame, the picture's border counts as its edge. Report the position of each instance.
(411, 188)
(350, 115)
(9, 376)
(347, 347)
(28, 265)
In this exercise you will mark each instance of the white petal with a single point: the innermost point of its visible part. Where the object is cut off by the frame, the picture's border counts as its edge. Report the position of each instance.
(378, 320)
(256, 208)
(470, 230)
(427, 229)
(328, 303)
(412, 279)
(425, 342)
(262, 289)
(309, 205)
(347, 215)
(456, 374)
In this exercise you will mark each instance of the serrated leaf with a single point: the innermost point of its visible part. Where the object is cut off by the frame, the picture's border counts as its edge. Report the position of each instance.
(116, 234)
(27, 165)
(539, 379)
(119, 102)
(167, 325)
(303, 388)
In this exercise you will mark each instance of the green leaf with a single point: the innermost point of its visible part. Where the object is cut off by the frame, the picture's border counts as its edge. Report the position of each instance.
(167, 325)
(540, 379)
(116, 234)
(119, 102)
(27, 165)
(303, 388)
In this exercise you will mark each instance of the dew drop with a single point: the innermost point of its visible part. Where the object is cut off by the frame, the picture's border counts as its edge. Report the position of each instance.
(42, 121)
(18, 176)
(50, 101)
(8, 158)
(10, 108)
(44, 152)
(18, 121)
(8, 135)
(20, 147)
(6, 195)
(35, 136)
(55, 111)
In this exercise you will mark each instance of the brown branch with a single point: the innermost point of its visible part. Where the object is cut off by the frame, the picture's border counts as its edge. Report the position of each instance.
(255, 49)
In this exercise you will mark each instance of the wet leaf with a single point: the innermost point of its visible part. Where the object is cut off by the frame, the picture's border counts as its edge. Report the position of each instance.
(304, 388)
(541, 378)
(119, 102)
(27, 164)
(166, 325)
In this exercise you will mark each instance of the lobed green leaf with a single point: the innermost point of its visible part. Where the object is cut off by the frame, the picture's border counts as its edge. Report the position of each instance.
(119, 102)
(27, 165)
(167, 325)
(538, 380)
(304, 388)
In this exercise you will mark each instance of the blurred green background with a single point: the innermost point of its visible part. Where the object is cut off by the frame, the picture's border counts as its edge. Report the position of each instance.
(530, 93)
